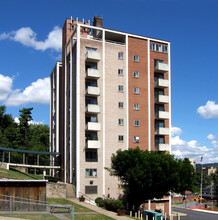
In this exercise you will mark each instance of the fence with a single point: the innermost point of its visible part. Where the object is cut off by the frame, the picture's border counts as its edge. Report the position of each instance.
(11, 203)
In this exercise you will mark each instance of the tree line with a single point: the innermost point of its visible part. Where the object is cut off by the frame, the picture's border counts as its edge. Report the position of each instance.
(23, 135)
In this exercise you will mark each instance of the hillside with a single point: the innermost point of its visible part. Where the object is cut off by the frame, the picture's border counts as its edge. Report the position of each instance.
(198, 166)
(14, 174)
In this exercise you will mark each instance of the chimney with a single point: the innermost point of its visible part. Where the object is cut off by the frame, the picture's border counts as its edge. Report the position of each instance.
(97, 22)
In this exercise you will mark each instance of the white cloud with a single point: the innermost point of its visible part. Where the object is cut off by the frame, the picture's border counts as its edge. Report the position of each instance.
(192, 149)
(182, 149)
(211, 137)
(5, 86)
(214, 140)
(210, 110)
(17, 120)
(37, 92)
(176, 131)
(28, 37)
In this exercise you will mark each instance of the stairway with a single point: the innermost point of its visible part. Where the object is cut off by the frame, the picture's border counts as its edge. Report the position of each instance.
(70, 192)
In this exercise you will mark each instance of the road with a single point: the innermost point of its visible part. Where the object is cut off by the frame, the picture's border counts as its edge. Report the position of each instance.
(195, 215)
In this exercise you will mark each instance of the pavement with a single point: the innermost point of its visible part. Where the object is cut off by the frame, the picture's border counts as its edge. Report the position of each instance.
(100, 210)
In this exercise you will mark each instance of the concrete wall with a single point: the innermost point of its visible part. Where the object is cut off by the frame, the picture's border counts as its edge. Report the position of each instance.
(56, 190)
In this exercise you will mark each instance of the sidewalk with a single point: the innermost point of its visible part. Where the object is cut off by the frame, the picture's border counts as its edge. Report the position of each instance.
(100, 210)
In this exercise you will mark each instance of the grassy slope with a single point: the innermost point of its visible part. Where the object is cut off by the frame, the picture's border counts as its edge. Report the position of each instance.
(14, 174)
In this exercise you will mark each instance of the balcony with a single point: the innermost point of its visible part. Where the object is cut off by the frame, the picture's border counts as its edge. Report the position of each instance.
(162, 99)
(161, 67)
(93, 56)
(93, 73)
(92, 91)
(162, 115)
(92, 144)
(161, 83)
(93, 126)
(164, 147)
(93, 109)
(162, 131)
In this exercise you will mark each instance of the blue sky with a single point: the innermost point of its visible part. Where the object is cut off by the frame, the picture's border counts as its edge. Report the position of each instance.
(30, 44)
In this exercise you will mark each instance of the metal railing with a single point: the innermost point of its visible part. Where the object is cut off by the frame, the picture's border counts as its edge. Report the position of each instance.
(9, 204)
(88, 199)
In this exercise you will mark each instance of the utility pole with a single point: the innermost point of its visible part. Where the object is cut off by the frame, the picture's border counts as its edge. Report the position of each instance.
(201, 178)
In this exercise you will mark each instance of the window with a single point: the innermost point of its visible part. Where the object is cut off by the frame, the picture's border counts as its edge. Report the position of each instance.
(120, 138)
(120, 55)
(91, 156)
(91, 172)
(159, 140)
(120, 105)
(136, 107)
(120, 88)
(136, 74)
(159, 124)
(165, 49)
(136, 122)
(92, 101)
(136, 90)
(136, 58)
(90, 49)
(91, 118)
(120, 121)
(120, 72)
(159, 48)
(136, 139)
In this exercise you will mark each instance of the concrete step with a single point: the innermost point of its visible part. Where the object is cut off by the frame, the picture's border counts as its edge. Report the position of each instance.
(70, 192)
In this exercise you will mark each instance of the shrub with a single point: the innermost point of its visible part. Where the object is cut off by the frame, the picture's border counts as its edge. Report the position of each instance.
(113, 205)
(99, 202)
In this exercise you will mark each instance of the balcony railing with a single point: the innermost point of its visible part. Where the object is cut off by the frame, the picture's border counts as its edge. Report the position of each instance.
(93, 73)
(93, 109)
(93, 126)
(162, 131)
(162, 115)
(164, 147)
(161, 83)
(161, 67)
(92, 144)
(162, 99)
(92, 91)
(93, 56)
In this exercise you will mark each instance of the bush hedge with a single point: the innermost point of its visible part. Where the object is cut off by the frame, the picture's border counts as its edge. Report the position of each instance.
(109, 204)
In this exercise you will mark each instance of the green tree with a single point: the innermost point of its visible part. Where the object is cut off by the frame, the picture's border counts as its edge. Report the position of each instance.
(206, 181)
(186, 177)
(24, 130)
(215, 182)
(8, 128)
(146, 175)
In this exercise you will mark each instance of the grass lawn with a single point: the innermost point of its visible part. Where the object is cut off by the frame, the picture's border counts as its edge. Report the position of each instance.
(33, 216)
(14, 174)
(89, 216)
(77, 208)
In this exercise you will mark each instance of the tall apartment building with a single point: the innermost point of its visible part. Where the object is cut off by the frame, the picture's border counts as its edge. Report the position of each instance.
(112, 92)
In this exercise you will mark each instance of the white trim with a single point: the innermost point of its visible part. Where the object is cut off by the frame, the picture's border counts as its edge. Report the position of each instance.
(71, 112)
(149, 99)
(127, 94)
(57, 105)
(51, 144)
(65, 117)
(169, 78)
(170, 205)
(103, 98)
(78, 112)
